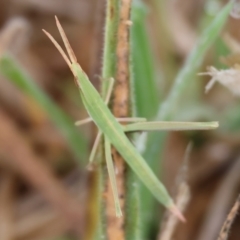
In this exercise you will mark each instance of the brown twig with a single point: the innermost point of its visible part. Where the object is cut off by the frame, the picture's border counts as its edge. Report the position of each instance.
(220, 203)
(120, 108)
(223, 235)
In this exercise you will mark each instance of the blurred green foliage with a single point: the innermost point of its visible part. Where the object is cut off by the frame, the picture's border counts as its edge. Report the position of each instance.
(15, 73)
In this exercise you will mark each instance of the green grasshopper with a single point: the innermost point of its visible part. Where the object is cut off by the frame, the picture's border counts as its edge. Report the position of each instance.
(114, 133)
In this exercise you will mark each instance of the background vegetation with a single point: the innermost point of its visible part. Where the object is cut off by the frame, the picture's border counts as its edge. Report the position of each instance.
(46, 192)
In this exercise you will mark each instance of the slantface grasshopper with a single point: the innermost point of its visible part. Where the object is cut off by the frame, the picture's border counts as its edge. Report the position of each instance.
(113, 132)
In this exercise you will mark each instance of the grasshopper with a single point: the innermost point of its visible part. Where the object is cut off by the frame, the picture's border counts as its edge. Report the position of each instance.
(113, 132)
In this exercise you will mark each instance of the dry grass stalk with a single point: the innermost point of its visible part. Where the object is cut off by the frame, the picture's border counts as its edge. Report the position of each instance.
(120, 108)
(182, 199)
(220, 203)
(223, 235)
(35, 219)
(42, 222)
(23, 160)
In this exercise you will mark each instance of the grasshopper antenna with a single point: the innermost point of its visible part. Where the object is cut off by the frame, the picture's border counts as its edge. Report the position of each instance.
(68, 47)
(59, 48)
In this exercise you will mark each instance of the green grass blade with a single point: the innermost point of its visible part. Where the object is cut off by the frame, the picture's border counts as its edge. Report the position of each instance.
(144, 86)
(170, 126)
(193, 62)
(155, 143)
(110, 42)
(185, 76)
(12, 71)
(144, 76)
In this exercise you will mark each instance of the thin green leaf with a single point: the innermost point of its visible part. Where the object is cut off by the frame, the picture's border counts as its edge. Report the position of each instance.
(144, 86)
(155, 142)
(12, 71)
(144, 76)
(109, 56)
(193, 62)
